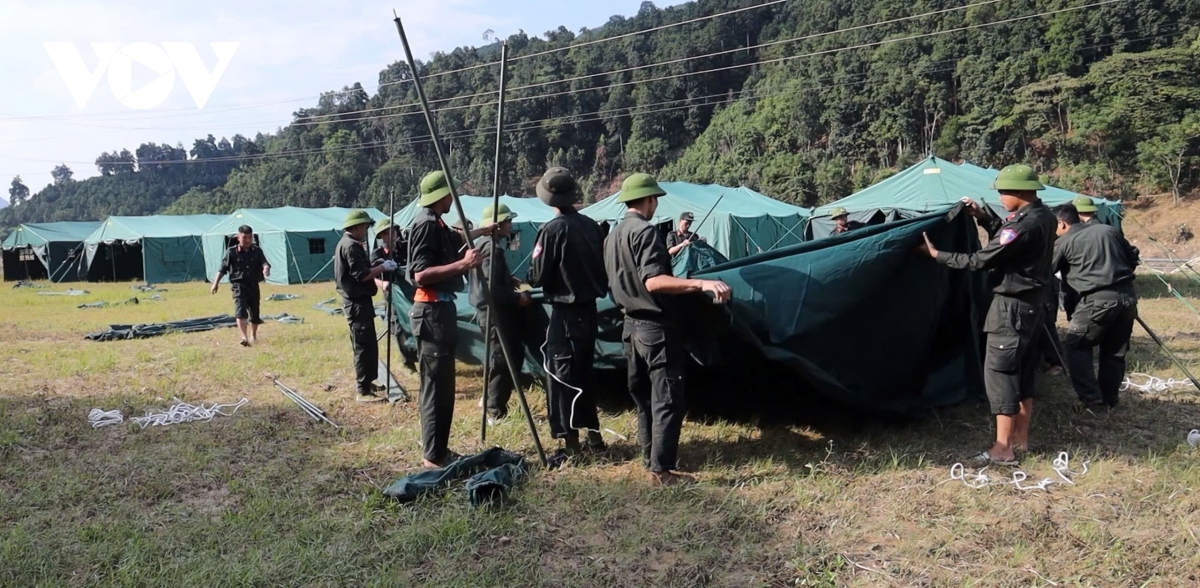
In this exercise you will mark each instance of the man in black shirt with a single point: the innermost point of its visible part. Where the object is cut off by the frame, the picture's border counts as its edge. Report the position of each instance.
(509, 314)
(438, 259)
(246, 266)
(639, 272)
(682, 237)
(1020, 252)
(568, 265)
(842, 222)
(355, 281)
(1098, 263)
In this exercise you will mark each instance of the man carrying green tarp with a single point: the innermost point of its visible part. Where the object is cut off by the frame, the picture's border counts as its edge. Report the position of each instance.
(639, 272)
(1020, 251)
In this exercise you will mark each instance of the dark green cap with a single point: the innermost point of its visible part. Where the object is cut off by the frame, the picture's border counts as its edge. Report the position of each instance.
(1084, 204)
(557, 188)
(502, 214)
(357, 217)
(639, 186)
(1019, 177)
(839, 211)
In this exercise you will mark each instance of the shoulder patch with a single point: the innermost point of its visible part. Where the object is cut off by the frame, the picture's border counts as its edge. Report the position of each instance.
(1007, 236)
(537, 250)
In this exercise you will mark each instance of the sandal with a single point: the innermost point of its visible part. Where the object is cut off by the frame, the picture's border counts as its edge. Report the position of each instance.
(985, 459)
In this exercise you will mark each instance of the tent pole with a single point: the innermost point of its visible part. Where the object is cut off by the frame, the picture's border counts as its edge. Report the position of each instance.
(487, 338)
(391, 246)
(513, 371)
(1167, 351)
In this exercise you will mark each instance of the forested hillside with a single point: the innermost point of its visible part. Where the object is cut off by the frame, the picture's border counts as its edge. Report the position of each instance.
(803, 100)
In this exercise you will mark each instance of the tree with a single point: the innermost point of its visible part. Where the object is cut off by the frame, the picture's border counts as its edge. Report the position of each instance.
(61, 174)
(1166, 157)
(18, 193)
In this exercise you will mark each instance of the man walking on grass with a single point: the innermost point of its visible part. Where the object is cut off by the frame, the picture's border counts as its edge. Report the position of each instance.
(246, 266)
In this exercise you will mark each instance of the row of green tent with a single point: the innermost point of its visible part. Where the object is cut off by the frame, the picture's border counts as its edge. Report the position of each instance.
(736, 222)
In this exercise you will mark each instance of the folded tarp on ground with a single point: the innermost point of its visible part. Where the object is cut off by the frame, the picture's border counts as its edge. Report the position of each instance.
(858, 319)
(278, 297)
(489, 477)
(106, 304)
(71, 292)
(196, 325)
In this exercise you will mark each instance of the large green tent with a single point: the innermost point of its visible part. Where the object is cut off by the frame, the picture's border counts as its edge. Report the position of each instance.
(298, 242)
(531, 215)
(858, 321)
(39, 251)
(934, 185)
(743, 222)
(157, 249)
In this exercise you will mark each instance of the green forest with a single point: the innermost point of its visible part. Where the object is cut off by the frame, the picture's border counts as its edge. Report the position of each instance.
(806, 101)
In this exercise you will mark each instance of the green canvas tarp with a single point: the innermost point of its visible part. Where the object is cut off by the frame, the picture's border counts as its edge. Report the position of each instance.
(40, 251)
(935, 185)
(532, 213)
(157, 249)
(743, 223)
(856, 320)
(298, 242)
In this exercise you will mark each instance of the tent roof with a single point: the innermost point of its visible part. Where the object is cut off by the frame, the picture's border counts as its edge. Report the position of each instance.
(287, 219)
(683, 197)
(530, 210)
(935, 184)
(37, 234)
(153, 227)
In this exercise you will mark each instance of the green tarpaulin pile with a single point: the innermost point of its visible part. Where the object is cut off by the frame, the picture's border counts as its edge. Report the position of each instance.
(856, 319)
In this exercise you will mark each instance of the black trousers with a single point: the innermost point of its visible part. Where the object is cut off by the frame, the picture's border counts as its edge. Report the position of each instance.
(512, 321)
(360, 313)
(435, 326)
(1010, 361)
(570, 355)
(1049, 345)
(656, 382)
(246, 299)
(1104, 320)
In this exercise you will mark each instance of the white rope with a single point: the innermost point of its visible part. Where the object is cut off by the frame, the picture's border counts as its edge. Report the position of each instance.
(1154, 384)
(186, 413)
(1193, 438)
(103, 418)
(980, 479)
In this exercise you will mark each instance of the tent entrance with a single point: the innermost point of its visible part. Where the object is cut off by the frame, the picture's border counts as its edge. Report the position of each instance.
(117, 262)
(22, 263)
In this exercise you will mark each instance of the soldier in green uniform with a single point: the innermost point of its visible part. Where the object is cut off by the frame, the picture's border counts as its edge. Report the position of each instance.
(438, 259)
(1086, 207)
(1020, 251)
(639, 272)
(1098, 263)
(355, 281)
(681, 237)
(842, 222)
(246, 266)
(568, 265)
(388, 245)
(509, 314)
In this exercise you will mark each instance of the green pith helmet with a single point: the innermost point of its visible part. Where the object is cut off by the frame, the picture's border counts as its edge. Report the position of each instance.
(357, 217)
(639, 186)
(434, 187)
(1019, 177)
(839, 211)
(502, 215)
(1084, 204)
(557, 188)
(383, 225)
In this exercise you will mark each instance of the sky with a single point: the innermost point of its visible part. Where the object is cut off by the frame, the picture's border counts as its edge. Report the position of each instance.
(287, 53)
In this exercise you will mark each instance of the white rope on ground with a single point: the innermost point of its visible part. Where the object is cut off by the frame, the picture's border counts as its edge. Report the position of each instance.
(1193, 438)
(1154, 384)
(980, 479)
(102, 418)
(186, 413)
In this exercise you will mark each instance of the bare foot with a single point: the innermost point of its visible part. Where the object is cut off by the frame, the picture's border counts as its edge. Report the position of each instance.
(672, 478)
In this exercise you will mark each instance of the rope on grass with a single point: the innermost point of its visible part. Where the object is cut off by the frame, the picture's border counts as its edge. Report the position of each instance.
(981, 479)
(1194, 438)
(1153, 384)
(102, 418)
(186, 413)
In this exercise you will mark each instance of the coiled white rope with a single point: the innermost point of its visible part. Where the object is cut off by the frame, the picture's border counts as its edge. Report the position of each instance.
(1154, 384)
(980, 479)
(186, 413)
(102, 418)
(1194, 438)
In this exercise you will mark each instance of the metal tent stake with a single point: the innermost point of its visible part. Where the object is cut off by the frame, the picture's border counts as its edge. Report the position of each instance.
(437, 147)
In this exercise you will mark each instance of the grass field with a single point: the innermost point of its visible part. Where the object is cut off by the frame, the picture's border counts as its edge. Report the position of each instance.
(269, 498)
